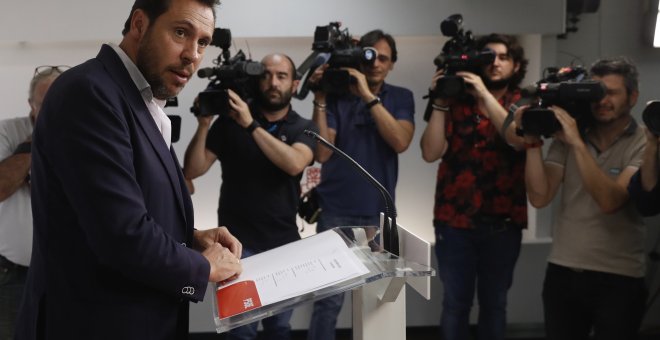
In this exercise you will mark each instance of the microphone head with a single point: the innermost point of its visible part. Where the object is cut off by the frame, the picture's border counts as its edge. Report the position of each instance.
(529, 91)
(205, 72)
(311, 133)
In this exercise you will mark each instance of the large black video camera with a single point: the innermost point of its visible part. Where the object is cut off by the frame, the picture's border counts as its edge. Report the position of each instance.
(236, 73)
(460, 53)
(338, 49)
(564, 87)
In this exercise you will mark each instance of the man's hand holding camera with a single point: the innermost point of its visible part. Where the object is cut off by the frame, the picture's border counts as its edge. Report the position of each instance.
(240, 111)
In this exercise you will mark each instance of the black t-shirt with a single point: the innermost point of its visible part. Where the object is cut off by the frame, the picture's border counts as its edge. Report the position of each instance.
(258, 201)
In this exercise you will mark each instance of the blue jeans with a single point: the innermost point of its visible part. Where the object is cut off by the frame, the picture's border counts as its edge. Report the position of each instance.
(577, 301)
(324, 317)
(12, 284)
(482, 258)
(275, 327)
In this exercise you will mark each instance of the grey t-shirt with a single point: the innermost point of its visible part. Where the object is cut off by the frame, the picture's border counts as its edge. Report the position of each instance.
(584, 237)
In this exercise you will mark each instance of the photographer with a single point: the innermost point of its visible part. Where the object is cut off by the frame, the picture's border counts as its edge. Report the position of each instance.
(372, 124)
(595, 275)
(262, 151)
(480, 204)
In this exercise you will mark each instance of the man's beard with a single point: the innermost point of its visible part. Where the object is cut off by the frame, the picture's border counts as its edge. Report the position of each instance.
(265, 103)
(496, 84)
(146, 56)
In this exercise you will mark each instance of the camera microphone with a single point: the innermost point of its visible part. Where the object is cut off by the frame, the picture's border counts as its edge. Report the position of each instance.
(205, 72)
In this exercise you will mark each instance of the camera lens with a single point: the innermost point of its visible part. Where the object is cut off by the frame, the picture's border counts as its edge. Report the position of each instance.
(369, 55)
(651, 117)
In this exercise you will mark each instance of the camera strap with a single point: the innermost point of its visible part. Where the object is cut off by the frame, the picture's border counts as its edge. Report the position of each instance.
(509, 119)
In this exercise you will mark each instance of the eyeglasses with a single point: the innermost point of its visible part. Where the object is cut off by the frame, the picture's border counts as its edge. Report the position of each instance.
(49, 69)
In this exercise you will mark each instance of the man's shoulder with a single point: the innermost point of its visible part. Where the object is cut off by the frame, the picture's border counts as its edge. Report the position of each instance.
(15, 124)
(400, 90)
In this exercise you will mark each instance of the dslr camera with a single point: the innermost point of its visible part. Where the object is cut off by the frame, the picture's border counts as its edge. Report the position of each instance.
(338, 49)
(460, 53)
(564, 87)
(236, 73)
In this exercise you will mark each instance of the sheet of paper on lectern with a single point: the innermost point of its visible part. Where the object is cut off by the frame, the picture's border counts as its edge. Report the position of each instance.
(294, 269)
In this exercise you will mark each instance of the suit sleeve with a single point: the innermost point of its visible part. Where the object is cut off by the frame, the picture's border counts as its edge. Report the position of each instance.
(90, 141)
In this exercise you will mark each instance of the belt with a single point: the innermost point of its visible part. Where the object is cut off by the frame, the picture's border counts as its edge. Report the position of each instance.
(494, 222)
(6, 265)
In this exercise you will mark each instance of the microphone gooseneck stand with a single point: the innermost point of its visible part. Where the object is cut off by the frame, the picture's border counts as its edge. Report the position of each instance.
(390, 232)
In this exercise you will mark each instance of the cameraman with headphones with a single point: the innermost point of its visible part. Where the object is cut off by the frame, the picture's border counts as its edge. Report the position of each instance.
(262, 151)
(595, 274)
(480, 203)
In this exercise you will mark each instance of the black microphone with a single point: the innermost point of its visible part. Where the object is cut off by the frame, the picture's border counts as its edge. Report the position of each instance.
(390, 231)
(205, 72)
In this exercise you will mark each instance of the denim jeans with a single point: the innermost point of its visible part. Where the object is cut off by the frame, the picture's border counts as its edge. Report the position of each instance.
(481, 259)
(577, 301)
(275, 327)
(12, 284)
(324, 317)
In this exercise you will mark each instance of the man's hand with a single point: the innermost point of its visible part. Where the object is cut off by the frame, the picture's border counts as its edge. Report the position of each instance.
(203, 239)
(477, 89)
(314, 82)
(361, 87)
(224, 264)
(202, 120)
(240, 111)
(569, 133)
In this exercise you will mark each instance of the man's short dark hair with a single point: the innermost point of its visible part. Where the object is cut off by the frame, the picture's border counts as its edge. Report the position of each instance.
(371, 38)
(155, 8)
(621, 66)
(513, 49)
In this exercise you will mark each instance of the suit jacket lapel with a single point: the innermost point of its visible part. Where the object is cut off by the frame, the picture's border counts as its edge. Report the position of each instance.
(118, 71)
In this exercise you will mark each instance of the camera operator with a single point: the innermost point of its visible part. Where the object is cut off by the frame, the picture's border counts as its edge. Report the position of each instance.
(480, 203)
(643, 188)
(372, 124)
(595, 274)
(262, 151)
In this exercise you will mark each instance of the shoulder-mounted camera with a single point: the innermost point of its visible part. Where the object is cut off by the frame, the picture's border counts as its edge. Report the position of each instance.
(337, 48)
(460, 53)
(566, 87)
(237, 73)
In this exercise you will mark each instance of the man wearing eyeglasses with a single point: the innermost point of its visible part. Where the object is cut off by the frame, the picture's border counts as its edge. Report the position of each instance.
(115, 253)
(15, 208)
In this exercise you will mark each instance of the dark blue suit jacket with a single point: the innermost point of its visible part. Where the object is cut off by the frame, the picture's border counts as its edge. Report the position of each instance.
(113, 219)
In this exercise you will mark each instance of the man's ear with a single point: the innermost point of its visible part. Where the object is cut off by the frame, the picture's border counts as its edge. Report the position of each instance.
(139, 23)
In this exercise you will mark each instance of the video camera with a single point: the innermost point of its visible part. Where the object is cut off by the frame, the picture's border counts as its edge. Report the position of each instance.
(460, 53)
(338, 50)
(564, 87)
(236, 73)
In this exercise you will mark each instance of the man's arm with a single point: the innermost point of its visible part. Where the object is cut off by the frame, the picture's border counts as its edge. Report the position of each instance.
(434, 139)
(542, 180)
(292, 159)
(491, 107)
(13, 172)
(610, 194)
(397, 133)
(198, 159)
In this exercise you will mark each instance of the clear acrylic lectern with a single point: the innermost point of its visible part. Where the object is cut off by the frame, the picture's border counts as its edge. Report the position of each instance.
(335, 261)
